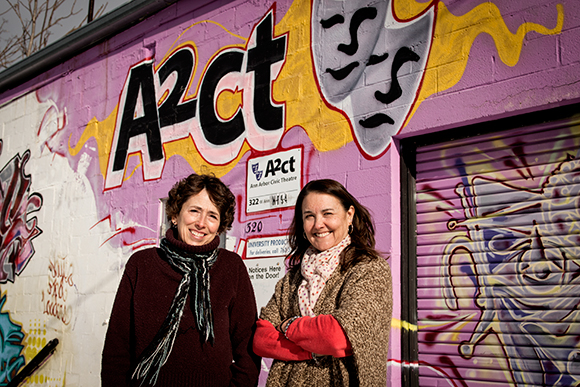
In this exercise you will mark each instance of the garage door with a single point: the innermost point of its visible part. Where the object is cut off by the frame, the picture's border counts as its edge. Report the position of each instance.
(498, 258)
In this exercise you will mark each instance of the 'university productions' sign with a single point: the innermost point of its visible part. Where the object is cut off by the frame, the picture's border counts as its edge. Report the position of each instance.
(267, 247)
(273, 181)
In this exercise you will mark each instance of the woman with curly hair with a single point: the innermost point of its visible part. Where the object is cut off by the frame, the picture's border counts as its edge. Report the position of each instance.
(185, 312)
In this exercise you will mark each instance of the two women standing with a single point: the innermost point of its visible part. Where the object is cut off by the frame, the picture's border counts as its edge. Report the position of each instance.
(185, 313)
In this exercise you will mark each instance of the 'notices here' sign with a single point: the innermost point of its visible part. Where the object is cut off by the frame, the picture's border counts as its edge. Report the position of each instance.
(264, 274)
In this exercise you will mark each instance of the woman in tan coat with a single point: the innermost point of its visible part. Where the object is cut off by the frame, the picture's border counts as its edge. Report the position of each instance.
(328, 322)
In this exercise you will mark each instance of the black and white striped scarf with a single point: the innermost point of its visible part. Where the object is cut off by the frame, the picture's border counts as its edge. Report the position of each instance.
(195, 269)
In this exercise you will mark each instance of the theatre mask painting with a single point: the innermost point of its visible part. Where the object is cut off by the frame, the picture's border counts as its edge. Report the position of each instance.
(370, 65)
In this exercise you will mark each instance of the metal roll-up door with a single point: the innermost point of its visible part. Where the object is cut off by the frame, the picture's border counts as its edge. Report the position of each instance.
(498, 258)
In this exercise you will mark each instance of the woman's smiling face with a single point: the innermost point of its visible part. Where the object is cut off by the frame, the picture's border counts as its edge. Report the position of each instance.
(325, 220)
(198, 221)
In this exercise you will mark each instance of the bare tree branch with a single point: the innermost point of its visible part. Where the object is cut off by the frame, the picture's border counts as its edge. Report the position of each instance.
(10, 47)
(37, 19)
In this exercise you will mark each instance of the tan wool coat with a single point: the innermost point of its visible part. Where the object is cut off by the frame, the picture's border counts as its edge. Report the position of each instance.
(361, 301)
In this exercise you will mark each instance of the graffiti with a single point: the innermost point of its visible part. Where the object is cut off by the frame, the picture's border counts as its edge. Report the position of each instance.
(370, 65)
(451, 50)
(11, 357)
(225, 87)
(356, 73)
(524, 250)
(143, 127)
(59, 281)
(16, 231)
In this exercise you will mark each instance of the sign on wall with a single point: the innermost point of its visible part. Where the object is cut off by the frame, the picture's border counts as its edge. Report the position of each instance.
(273, 181)
(283, 91)
(267, 247)
(264, 274)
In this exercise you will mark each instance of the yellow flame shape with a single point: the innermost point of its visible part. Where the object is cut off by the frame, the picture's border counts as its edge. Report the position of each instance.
(296, 85)
(327, 128)
(102, 132)
(454, 36)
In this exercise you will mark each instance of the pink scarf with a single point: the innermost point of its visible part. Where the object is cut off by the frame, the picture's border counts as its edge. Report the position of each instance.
(316, 268)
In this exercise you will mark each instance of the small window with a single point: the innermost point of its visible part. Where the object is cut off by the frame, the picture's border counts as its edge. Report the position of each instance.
(164, 224)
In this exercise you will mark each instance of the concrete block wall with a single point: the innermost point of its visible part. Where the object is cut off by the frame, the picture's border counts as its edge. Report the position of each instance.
(475, 61)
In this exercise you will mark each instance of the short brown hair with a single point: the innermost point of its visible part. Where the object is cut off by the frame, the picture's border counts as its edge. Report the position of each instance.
(218, 192)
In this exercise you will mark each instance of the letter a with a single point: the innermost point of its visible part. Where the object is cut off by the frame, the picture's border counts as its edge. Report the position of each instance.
(137, 126)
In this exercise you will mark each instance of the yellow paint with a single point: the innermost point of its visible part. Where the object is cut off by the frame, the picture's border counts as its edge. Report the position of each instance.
(33, 343)
(202, 22)
(137, 166)
(102, 132)
(228, 103)
(396, 323)
(296, 86)
(454, 36)
(170, 52)
(198, 164)
(458, 320)
(458, 329)
(163, 97)
(408, 9)
(328, 129)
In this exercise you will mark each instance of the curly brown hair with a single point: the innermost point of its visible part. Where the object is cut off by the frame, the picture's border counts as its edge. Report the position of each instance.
(362, 245)
(218, 192)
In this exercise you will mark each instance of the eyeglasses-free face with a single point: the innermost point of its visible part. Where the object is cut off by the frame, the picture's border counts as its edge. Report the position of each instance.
(325, 220)
(198, 221)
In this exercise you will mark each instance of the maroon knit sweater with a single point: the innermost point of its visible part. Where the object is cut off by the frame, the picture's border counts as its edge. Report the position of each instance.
(141, 305)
